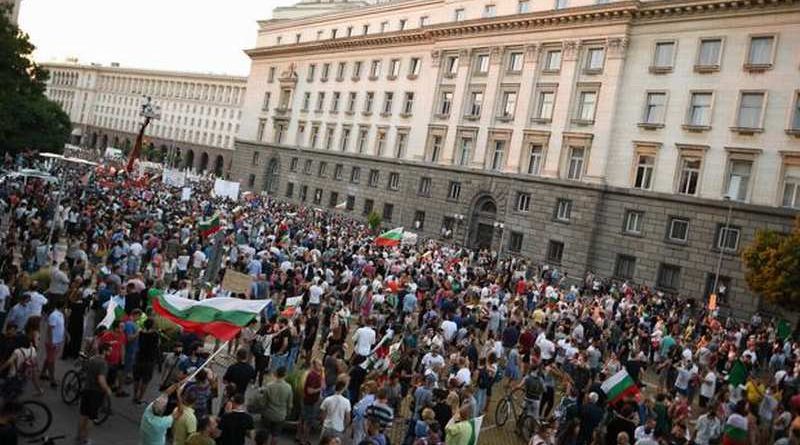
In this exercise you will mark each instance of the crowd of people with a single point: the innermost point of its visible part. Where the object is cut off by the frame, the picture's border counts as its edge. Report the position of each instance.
(360, 342)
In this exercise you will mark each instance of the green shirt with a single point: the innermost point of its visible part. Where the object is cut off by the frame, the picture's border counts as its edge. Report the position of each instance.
(278, 397)
(185, 425)
(458, 433)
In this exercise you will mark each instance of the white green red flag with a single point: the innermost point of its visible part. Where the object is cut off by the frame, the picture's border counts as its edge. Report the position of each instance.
(220, 317)
(618, 386)
(390, 238)
(210, 226)
(735, 432)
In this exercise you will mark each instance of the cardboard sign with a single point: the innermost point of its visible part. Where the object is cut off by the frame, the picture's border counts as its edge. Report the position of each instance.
(236, 282)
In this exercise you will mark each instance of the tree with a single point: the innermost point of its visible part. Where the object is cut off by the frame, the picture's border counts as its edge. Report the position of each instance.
(28, 120)
(374, 220)
(772, 263)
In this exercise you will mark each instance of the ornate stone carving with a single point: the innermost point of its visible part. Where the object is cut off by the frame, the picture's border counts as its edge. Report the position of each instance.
(436, 57)
(532, 52)
(463, 56)
(289, 76)
(617, 46)
(570, 49)
(495, 55)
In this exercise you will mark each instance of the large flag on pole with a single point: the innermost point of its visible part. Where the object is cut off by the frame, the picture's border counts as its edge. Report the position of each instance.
(390, 238)
(220, 317)
(618, 386)
(210, 226)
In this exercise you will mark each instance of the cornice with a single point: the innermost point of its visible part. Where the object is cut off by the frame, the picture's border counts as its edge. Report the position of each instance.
(632, 11)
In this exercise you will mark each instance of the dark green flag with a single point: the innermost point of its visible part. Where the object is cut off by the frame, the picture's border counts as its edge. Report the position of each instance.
(784, 330)
(738, 373)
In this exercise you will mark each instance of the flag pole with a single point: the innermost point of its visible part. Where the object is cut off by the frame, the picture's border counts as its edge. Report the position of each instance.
(208, 360)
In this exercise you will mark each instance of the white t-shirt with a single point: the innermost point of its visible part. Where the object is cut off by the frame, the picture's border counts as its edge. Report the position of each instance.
(449, 328)
(546, 347)
(314, 294)
(364, 338)
(4, 293)
(56, 322)
(183, 262)
(37, 303)
(429, 361)
(709, 385)
(336, 409)
(198, 259)
(464, 376)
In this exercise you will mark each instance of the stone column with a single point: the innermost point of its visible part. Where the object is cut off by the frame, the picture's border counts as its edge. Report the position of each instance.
(524, 100)
(563, 106)
(487, 114)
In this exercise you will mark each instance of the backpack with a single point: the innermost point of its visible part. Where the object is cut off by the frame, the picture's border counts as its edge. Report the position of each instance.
(28, 365)
(534, 388)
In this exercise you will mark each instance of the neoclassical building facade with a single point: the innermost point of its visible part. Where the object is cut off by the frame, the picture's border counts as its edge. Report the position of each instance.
(613, 136)
(200, 113)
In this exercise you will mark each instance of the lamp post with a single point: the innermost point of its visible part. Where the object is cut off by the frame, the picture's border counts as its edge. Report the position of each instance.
(149, 111)
(459, 218)
(500, 226)
(722, 242)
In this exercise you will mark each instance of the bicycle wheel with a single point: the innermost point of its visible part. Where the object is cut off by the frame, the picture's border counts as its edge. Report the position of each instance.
(34, 418)
(517, 397)
(71, 387)
(528, 427)
(502, 411)
(104, 412)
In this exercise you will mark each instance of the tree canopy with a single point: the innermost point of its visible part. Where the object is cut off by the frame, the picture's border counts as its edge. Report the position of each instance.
(28, 120)
(772, 261)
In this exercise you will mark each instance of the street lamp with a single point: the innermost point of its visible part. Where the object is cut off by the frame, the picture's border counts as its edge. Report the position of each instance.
(721, 241)
(500, 226)
(459, 218)
(149, 112)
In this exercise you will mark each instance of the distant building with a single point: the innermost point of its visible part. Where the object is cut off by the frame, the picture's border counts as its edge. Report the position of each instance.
(200, 113)
(14, 14)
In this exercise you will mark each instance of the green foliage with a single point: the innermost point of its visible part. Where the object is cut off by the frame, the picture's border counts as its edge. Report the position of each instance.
(772, 261)
(28, 120)
(374, 220)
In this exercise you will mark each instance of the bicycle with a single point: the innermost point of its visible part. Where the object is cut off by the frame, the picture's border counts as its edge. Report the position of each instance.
(72, 385)
(33, 417)
(513, 405)
(46, 440)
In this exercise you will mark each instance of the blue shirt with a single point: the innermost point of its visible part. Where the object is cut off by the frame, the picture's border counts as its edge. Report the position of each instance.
(254, 268)
(19, 315)
(409, 303)
(153, 428)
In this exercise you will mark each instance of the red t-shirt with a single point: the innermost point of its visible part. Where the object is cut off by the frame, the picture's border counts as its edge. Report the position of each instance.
(313, 381)
(117, 341)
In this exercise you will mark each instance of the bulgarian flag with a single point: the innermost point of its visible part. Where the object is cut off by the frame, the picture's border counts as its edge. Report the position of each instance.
(390, 238)
(735, 432)
(618, 386)
(220, 317)
(210, 226)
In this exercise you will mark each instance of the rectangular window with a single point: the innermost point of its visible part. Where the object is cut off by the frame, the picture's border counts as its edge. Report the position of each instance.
(351, 101)
(728, 238)
(338, 171)
(633, 222)
(498, 155)
(424, 188)
(555, 252)
(374, 178)
(357, 70)
(452, 65)
(436, 148)
(289, 189)
(625, 267)
(363, 134)
(307, 166)
(515, 60)
(424, 21)
(400, 145)
(445, 103)
(408, 103)
(545, 106)
(314, 138)
(534, 159)
(476, 102)
(329, 137)
(739, 179)
(594, 59)
(796, 113)
(350, 203)
(489, 11)
(586, 106)
(509, 104)
(332, 199)
(402, 25)
(419, 220)
(306, 101)
(271, 75)
(355, 175)
(340, 69)
(262, 126)
(654, 108)
(515, 242)
(458, 15)
(481, 65)
(265, 103)
(414, 67)
(312, 69)
(388, 211)
(523, 6)
(303, 193)
(669, 277)
(465, 151)
(255, 158)
(678, 230)
(251, 180)
(320, 101)
(335, 102)
(454, 191)
(561, 4)
(523, 202)
(384, 26)
(791, 187)
(388, 101)
(375, 69)
(760, 52)
(689, 175)
(394, 181)
(334, 32)
(293, 164)
(644, 171)
(394, 68)
(368, 102)
(365, 30)
(368, 206)
(575, 166)
(700, 109)
(344, 140)
(563, 209)
(751, 105)
(318, 196)
(447, 227)
(552, 60)
(326, 69)
(380, 142)
(710, 53)
(349, 31)
(663, 56)
(322, 169)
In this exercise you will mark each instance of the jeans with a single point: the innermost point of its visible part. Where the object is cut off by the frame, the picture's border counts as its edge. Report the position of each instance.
(480, 399)
(277, 361)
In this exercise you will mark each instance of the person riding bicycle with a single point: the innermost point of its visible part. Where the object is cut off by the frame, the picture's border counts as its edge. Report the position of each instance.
(533, 384)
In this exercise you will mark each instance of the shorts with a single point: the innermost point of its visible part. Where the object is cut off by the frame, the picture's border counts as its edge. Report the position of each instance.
(273, 426)
(53, 352)
(113, 371)
(91, 402)
(309, 412)
(143, 372)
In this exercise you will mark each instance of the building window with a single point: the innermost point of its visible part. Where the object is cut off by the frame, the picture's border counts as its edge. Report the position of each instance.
(419, 220)
(357, 70)
(303, 193)
(678, 230)
(332, 199)
(362, 140)
(255, 158)
(654, 108)
(523, 202)
(454, 191)
(271, 75)
(414, 67)
(700, 109)
(334, 32)
(515, 242)
(424, 21)
(251, 180)
(669, 277)
(424, 186)
(388, 102)
(335, 102)
(489, 11)
(351, 101)
(344, 140)
(561, 4)
(340, 70)
(452, 65)
(633, 222)
(555, 252)
(475, 104)
(689, 175)
(289, 189)
(320, 101)
(594, 60)
(394, 181)
(329, 137)
(306, 101)
(314, 137)
(388, 211)
(498, 155)
(402, 25)
(544, 110)
(265, 103)
(262, 125)
(307, 166)
(508, 104)
(760, 52)
(458, 15)
(293, 164)
(436, 148)
(575, 166)
(563, 209)
(645, 164)
(791, 187)
(523, 6)
(400, 145)
(312, 69)
(515, 60)
(552, 60)
(384, 26)
(380, 142)
(465, 151)
(534, 159)
(408, 103)
(447, 227)
(708, 57)
(374, 178)
(625, 267)
(751, 106)
(663, 56)
(728, 238)
(322, 169)
(394, 68)
(350, 203)
(587, 100)
(326, 69)
(795, 125)
(368, 206)
(355, 175)
(481, 65)
(445, 103)
(338, 170)
(375, 69)
(368, 102)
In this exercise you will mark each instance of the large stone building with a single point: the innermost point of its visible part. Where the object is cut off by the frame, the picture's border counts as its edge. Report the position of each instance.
(200, 113)
(13, 12)
(589, 135)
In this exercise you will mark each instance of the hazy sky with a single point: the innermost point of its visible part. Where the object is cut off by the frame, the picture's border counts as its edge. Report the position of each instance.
(187, 35)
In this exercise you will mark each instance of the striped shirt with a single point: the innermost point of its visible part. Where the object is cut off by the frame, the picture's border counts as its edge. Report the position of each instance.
(381, 414)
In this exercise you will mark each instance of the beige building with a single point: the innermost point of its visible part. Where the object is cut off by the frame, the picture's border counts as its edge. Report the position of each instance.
(14, 5)
(588, 135)
(200, 113)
